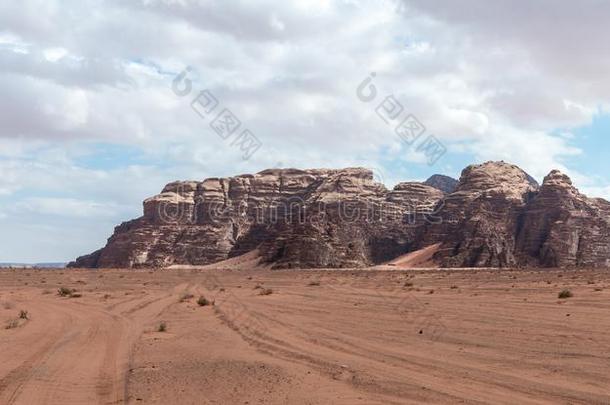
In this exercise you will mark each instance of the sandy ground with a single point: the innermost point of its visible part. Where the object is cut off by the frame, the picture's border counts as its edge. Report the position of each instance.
(320, 337)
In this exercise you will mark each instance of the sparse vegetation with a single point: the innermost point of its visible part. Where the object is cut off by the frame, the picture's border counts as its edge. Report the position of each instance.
(186, 297)
(65, 292)
(203, 301)
(162, 327)
(454, 287)
(258, 287)
(313, 283)
(12, 324)
(23, 315)
(265, 291)
(565, 293)
(408, 284)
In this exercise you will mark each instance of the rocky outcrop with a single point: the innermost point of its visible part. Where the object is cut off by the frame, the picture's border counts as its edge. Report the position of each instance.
(563, 228)
(480, 219)
(495, 216)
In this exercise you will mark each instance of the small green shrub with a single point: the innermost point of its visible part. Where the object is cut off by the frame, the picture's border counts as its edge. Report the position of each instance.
(23, 314)
(162, 327)
(565, 293)
(203, 301)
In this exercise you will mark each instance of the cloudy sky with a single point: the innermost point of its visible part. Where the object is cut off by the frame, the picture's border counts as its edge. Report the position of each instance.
(90, 124)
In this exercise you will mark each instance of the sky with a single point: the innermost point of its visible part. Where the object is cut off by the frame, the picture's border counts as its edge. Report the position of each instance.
(95, 116)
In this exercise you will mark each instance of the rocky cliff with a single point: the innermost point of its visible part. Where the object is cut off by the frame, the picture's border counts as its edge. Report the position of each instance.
(296, 218)
(563, 228)
(496, 215)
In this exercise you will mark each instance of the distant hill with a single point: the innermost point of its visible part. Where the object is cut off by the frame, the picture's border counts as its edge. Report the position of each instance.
(444, 183)
(54, 265)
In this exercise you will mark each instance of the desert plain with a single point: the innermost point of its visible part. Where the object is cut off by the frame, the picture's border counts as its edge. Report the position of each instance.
(376, 336)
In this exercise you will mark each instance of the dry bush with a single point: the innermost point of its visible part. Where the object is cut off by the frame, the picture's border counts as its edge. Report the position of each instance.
(12, 324)
(65, 291)
(186, 297)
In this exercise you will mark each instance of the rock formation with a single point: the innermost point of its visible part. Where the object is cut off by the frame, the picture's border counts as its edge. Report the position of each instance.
(296, 218)
(480, 219)
(563, 228)
(495, 216)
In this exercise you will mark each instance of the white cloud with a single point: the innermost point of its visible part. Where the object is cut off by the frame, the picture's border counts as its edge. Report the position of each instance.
(490, 79)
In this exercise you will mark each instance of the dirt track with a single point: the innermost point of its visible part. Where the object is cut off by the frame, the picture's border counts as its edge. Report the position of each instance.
(343, 337)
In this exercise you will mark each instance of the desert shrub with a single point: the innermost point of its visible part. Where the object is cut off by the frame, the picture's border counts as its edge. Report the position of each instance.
(454, 287)
(408, 284)
(203, 301)
(186, 297)
(313, 283)
(265, 291)
(162, 327)
(258, 287)
(65, 291)
(565, 293)
(12, 324)
(75, 295)
(23, 314)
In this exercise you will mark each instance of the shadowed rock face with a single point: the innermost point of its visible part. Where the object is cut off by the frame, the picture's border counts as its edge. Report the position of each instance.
(496, 216)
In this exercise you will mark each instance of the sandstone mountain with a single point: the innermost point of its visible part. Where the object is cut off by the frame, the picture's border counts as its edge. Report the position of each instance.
(496, 215)
(444, 183)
